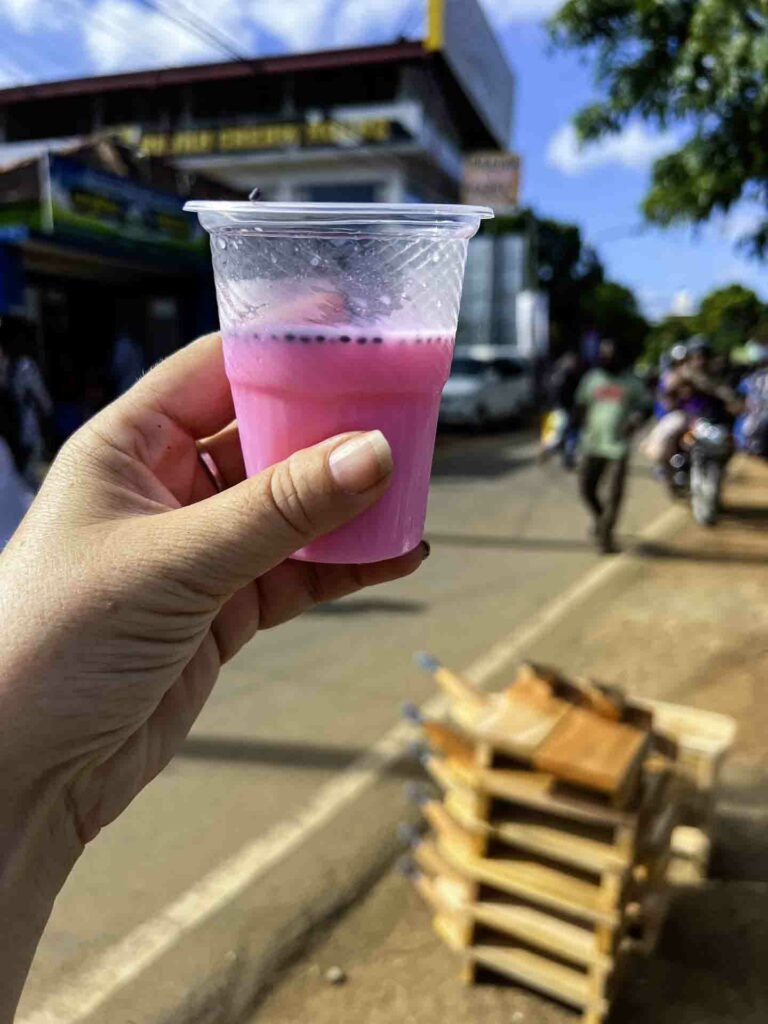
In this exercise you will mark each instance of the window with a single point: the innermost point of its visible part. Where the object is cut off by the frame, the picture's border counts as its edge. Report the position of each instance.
(509, 367)
(341, 193)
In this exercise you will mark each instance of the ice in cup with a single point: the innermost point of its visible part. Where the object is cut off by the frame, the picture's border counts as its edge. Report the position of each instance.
(341, 317)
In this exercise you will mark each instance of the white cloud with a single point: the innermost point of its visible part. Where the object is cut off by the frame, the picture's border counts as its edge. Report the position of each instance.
(27, 15)
(503, 12)
(635, 147)
(682, 303)
(743, 219)
(120, 35)
(320, 24)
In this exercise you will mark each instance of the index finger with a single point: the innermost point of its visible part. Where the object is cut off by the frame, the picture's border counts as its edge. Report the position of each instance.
(189, 387)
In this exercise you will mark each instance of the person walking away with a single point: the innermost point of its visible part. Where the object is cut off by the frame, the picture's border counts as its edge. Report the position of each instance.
(15, 496)
(28, 390)
(611, 403)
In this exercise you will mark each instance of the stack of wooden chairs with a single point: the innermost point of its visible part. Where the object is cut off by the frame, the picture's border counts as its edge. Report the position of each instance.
(549, 832)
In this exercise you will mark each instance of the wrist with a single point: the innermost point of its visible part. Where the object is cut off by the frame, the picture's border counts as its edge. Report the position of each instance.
(39, 847)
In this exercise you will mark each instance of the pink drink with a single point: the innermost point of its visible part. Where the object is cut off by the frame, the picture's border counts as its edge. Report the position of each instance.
(294, 387)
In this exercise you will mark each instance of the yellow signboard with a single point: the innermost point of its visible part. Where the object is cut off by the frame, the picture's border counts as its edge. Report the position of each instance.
(491, 178)
(271, 136)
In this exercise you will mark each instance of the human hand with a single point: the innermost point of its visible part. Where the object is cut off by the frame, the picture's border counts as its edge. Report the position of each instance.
(131, 581)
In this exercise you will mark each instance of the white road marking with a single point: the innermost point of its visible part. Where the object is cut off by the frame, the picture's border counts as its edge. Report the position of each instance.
(124, 961)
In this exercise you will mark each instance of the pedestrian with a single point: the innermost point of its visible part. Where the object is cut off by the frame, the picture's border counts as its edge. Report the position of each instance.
(28, 388)
(611, 403)
(561, 394)
(135, 575)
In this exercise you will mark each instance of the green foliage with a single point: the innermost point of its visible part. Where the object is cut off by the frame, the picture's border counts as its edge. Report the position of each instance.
(614, 313)
(728, 317)
(701, 63)
(570, 272)
(664, 335)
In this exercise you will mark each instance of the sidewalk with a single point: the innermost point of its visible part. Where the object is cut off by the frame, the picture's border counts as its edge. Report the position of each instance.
(687, 622)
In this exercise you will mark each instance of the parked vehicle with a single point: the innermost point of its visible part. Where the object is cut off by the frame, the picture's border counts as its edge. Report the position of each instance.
(698, 468)
(488, 384)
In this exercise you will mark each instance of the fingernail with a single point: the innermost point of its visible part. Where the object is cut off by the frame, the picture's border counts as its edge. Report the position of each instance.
(360, 463)
(426, 548)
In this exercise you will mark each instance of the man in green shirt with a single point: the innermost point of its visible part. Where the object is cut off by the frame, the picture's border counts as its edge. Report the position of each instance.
(611, 404)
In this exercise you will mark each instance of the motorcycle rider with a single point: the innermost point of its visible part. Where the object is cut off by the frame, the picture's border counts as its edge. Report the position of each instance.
(695, 390)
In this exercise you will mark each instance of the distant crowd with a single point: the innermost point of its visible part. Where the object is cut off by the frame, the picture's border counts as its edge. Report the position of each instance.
(595, 411)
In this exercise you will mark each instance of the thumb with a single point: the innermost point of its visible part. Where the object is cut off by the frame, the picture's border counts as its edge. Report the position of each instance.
(225, 541)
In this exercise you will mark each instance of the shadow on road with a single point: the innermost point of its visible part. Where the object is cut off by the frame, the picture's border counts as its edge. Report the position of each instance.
(750, 516)
(669, 552)
(469, 540)
(288, 755)
(371, 605)
(709, 964)
(482, 463)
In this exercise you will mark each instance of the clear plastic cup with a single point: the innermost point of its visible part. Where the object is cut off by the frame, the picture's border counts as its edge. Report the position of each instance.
(341, 317)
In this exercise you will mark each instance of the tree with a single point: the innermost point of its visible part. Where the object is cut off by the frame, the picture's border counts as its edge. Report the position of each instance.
(612, 312)
(663, 336)
(581, 300)
(730, 316)
(727, 317)
(700, 63)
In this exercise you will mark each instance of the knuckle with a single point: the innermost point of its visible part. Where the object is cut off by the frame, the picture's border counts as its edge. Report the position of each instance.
(291, 499)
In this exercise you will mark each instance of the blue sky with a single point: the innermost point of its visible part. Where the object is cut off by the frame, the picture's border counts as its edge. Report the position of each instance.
(599, 188)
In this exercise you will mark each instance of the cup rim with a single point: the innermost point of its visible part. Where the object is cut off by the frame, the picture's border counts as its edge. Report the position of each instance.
(222, 213)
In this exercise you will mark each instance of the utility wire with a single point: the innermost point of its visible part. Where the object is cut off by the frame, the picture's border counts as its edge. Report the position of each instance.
(193, 27)
(224, 39)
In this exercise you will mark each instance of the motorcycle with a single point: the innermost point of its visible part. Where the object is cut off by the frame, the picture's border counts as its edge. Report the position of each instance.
(698, 468)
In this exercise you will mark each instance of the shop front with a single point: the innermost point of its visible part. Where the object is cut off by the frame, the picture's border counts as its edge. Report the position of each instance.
(92, 259)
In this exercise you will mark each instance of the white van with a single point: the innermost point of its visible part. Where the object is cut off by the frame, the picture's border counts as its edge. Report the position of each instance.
(488, 384)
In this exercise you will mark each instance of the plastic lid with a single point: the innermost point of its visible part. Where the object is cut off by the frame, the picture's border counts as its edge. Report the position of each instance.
(218, 214)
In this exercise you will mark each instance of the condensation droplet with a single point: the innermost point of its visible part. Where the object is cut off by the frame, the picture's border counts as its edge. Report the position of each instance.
(222, 243)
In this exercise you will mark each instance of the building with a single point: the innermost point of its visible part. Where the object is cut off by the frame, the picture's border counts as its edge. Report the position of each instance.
(386, 123)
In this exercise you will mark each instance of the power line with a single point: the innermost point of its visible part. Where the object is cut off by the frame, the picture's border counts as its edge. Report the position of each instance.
(194, 26)
(224, 38)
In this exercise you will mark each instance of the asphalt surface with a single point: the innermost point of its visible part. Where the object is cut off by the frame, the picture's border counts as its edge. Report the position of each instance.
(687, 621)
(302, 702)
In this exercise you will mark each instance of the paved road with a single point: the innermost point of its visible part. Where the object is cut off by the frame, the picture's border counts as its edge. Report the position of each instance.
(685, 619)
(305, 700)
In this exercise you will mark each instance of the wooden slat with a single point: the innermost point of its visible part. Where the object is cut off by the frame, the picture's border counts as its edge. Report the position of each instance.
(447, 741)
(543, 931)
(533, 882)
(537, 972)
(547, 841)
(590, 751)
(512, 725)
(531, 926)
(529, 788)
